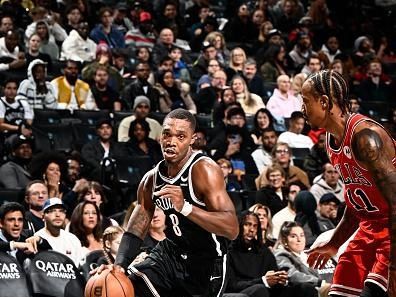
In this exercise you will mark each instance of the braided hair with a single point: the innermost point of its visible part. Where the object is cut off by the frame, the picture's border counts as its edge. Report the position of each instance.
(333, 85)
(110, 234)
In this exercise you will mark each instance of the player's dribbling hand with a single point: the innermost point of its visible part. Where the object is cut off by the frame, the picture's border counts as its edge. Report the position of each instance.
(101, 268)
(174, 193)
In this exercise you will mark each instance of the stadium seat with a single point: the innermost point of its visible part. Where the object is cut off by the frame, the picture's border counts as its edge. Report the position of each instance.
(53, 137)
(83, 133)
(130, 170)
(11, 195)
(90, 117)
(51, 116)
(204, 121)
(54, 274)
(13, 281)
(299, 155)
(158, 116)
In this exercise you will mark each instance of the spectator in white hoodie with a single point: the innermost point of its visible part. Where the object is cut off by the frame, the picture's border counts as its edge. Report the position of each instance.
(78, 46)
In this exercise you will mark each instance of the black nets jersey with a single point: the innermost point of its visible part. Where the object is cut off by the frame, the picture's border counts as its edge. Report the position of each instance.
(187, 235)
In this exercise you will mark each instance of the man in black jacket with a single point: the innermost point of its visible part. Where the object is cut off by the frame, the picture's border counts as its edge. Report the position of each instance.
(140, 86)
(13, 240)
(98, 153)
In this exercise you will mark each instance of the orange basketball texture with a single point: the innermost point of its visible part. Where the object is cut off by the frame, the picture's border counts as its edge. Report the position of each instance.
(109, 283)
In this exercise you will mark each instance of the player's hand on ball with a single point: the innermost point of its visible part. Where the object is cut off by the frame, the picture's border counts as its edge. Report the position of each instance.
(174, 193)
(101, 268)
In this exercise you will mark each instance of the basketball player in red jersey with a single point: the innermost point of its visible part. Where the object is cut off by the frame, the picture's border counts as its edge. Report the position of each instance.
(364, 154)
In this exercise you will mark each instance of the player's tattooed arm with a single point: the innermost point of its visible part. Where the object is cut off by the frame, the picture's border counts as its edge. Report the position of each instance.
(374, 149)
(140, 219)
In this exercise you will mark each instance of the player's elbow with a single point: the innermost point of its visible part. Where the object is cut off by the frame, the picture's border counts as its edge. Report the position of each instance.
(233, 231)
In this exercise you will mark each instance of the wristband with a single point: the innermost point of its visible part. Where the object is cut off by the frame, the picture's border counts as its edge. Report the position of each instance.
(128, 250)
(187, 208)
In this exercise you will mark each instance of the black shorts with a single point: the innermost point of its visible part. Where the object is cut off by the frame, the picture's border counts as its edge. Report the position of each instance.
(167, 272)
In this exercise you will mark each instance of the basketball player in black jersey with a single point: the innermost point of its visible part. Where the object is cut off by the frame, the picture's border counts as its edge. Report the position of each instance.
(200, 218)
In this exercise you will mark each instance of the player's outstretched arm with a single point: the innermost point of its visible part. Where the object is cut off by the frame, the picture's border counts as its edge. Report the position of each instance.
(138, 223)
(209, 187)
(374, 148)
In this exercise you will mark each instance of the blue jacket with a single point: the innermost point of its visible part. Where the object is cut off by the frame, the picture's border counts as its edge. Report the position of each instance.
(115, 39)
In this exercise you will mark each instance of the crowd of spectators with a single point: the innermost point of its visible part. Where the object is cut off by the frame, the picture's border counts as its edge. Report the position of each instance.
(237, 65)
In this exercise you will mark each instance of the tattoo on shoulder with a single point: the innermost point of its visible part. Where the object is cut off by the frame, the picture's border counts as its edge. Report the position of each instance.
(367, 145)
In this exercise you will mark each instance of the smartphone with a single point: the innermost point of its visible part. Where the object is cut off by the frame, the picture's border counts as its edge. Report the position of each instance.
(284, 268)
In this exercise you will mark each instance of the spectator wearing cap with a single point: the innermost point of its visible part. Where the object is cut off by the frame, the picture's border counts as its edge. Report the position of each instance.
(163, 45)
(97, 151)
(104, 96)
(141, 86)
(273, 36)
(78, 46)
(300, 53)
(61, 241)
(141, 108)
(11, 58)
(141, 35)
(38, 92)
(121, 21)
(13, 239)
(103, 57)
(14, 174)
(106, 32)
(200, 66)
(16, 116)
(283, 103)
(70, 91)
(328, 182)
(327, 211)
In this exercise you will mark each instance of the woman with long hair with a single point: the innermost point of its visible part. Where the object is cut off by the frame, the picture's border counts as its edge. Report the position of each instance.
(174, 95)
(237, 62)
(263, 119)
(85, 223)
(275, 63)
(264, 214)
(250, 102)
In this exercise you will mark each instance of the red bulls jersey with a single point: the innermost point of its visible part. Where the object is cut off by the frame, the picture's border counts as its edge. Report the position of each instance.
(361, 193)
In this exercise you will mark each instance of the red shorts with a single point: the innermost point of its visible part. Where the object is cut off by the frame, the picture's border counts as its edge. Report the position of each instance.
(366, 259)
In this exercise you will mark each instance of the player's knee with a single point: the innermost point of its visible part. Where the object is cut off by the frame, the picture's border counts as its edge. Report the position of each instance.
(372, 290)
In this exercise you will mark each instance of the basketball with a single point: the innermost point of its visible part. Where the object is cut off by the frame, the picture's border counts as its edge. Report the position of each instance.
(109, 283)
